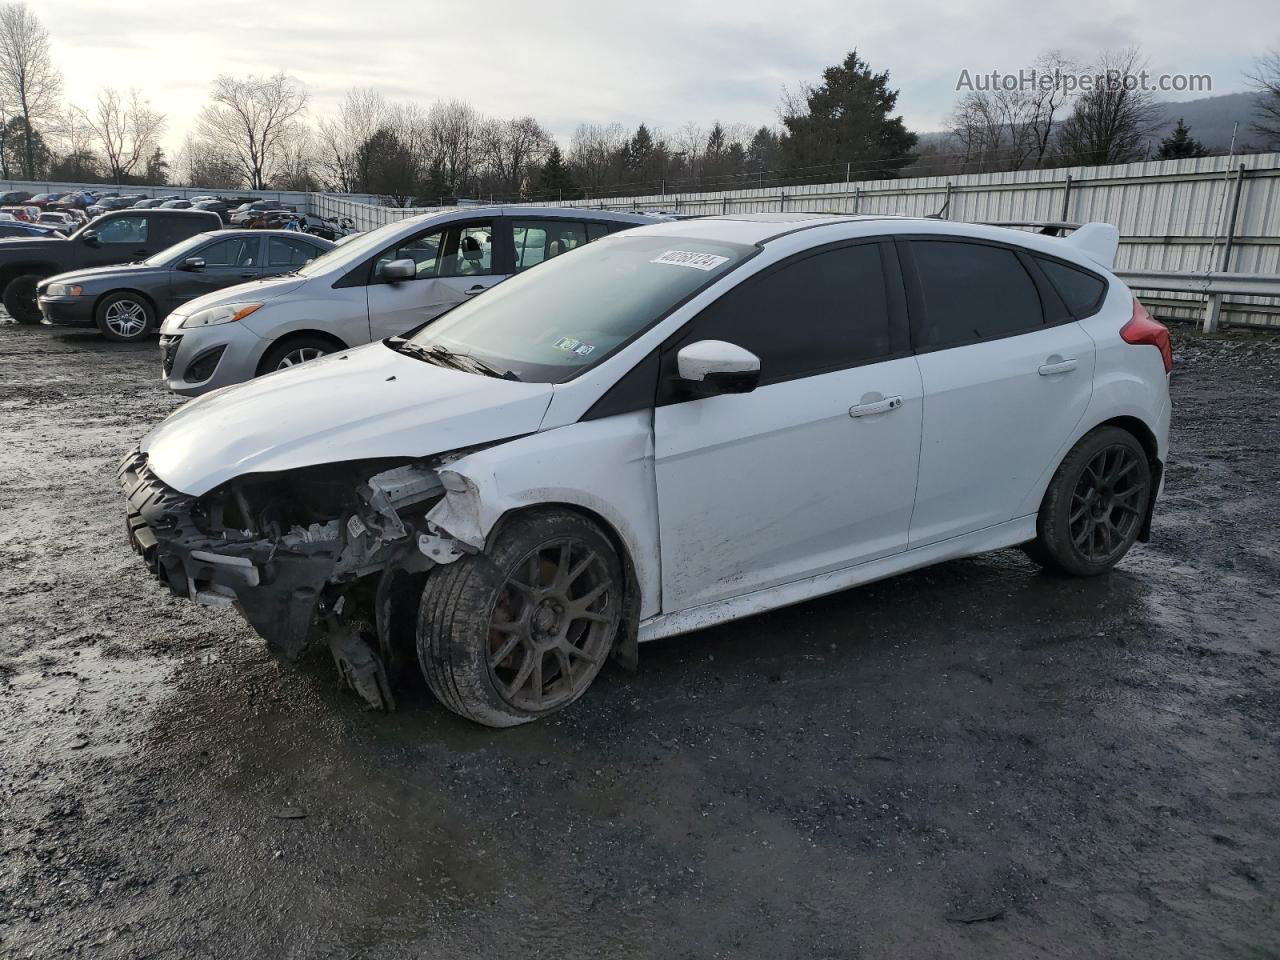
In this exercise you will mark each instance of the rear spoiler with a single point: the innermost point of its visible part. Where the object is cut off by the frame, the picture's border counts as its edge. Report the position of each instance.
(1097, 241)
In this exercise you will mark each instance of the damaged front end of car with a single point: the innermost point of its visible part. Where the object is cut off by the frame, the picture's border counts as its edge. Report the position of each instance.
(321, 554)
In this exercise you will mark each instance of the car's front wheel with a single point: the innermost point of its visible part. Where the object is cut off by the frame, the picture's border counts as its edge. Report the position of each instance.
(20, 298)
(290, 353)
(1095, 505)
(125, 317)
(521, 631)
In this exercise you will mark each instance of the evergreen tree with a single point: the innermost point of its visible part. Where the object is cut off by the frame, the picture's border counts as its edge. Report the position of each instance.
(640, 151)
(555, 181)
(1180, 145)
(846, 120)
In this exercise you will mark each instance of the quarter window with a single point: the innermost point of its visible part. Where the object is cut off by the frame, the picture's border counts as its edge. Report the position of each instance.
(1080, 291)
(124, 230)
(825, 312)
(973, 291)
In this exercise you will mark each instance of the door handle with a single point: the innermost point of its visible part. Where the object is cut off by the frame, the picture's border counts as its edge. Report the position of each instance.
(1059, 366)
(472, 291)
(248, 276)
(876, 406)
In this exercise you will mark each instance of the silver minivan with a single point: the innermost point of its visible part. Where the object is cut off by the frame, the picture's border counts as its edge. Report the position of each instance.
(377, 285)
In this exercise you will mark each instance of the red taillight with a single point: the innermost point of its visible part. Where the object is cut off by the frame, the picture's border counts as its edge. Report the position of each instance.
(1144, 330)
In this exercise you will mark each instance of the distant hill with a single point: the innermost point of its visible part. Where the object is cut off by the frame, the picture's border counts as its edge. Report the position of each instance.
(1210, 120)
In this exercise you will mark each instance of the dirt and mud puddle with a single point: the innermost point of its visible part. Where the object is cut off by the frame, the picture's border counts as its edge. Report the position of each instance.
(972, 761)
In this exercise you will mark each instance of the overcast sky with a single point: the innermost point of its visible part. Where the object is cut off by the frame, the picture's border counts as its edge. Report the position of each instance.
(663, 63)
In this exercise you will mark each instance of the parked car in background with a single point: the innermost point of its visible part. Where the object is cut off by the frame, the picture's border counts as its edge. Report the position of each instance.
(271, 220)
(178, 204)
(214, 205)
(26, 212)
(329, 229)
(61, 221)
(13, 228)
(104, 204)
(379, 285)
(117, 237)
(146, 203)
(14, 196)
(127, 301)
(72, 201)
(43, 200)
(672, 428)
(254, 208)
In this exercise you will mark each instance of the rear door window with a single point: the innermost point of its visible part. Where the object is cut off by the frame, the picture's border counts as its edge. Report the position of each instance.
(544, 239)
(1080, 291)
(124, 230)
(972, 292)
(287, 252)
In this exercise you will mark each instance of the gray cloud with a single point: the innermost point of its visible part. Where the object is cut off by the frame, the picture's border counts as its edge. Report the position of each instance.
(567, 61)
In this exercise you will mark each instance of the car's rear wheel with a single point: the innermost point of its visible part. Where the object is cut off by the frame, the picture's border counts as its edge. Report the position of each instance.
(522, 630)
(125, 317)
(290, 353)
(1095, 505)
(20, 298)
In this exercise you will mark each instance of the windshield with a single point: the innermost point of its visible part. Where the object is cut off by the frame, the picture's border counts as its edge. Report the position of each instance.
(178, 251)
(550, 322)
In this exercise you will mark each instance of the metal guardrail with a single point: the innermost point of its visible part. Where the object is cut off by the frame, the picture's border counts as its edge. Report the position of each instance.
(1211, 284)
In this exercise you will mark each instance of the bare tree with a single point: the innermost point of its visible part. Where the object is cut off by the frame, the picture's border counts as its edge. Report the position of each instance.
(128, 131)
(598, 155)
(29, 82)
(455, 142)
(200, 163)
(1266, 80)
(253, 117)
(1113, 120)
(342, 139)
(512, 148)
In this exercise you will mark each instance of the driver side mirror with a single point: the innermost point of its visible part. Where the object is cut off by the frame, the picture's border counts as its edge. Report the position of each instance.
(192, 263)
(90, 237)
(398, 270)
(718, 367)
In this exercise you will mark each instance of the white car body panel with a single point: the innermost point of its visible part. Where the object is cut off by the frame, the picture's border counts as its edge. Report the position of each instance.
(784, 482)
(992, 424)
(355, 405)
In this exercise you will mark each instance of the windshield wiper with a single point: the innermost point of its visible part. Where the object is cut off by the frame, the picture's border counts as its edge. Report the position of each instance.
(445, 357)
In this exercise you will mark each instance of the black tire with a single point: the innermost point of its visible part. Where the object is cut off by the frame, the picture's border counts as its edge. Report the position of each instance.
(20, 298)
(1095, 505)
(125, 317)
(474, 648)
(294, 350)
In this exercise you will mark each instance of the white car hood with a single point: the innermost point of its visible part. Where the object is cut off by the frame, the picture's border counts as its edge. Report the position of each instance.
(355, 405)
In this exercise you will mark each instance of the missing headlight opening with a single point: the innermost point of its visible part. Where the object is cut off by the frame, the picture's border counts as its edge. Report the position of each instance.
(325, 554)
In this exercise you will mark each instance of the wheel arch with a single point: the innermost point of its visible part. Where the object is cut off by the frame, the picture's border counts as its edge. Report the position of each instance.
(11, 271)
(1142, 432)
(302, 333)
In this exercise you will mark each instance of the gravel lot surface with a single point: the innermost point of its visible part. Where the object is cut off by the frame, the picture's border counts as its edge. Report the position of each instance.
(974, 761)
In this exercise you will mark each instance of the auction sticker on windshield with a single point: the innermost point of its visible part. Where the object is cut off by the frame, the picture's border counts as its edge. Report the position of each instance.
(687, 258)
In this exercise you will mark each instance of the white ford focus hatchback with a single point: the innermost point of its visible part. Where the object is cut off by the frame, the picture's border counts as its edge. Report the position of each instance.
(669, 428)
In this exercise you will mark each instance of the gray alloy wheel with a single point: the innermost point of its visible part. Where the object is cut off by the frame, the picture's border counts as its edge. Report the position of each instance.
(522, 630)
(124, 317)
(292, 351)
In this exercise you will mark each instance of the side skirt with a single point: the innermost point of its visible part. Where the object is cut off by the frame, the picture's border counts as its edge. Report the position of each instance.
(996, 537)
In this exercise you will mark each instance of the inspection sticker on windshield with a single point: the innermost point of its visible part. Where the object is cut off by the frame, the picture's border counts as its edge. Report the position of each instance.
(686, 258)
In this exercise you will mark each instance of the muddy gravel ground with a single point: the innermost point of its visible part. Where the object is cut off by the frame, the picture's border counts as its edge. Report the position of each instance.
(973, 761)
